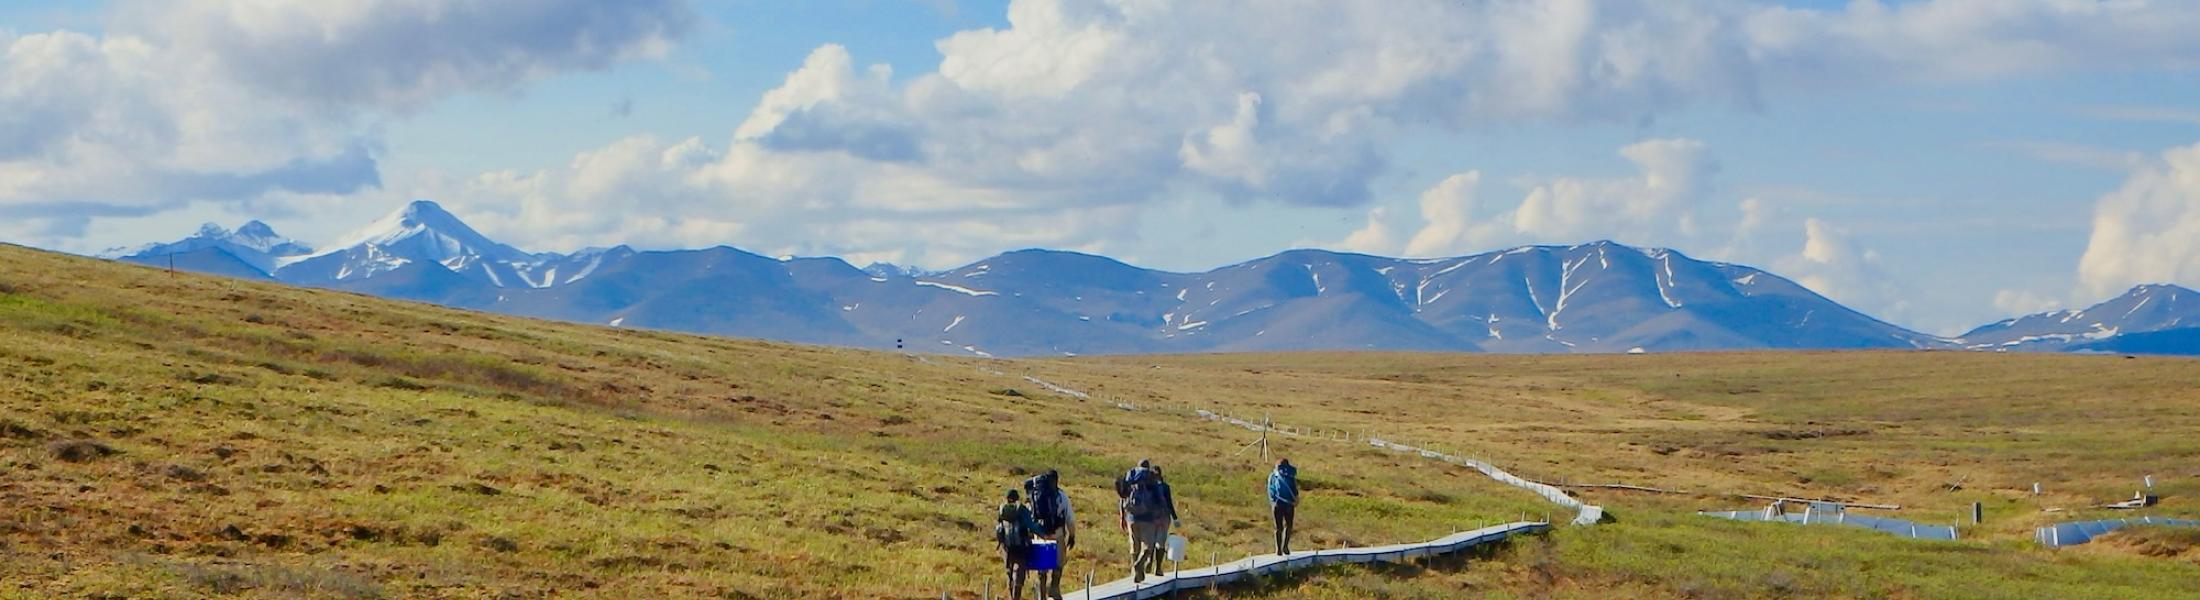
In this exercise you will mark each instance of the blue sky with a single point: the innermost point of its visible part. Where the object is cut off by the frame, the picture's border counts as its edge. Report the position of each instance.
(1939, 164)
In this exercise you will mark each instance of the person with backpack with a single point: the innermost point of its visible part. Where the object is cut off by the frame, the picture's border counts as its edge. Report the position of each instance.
(1147, 511)
(1057, 521)
(1013, 530)
(1283, 497)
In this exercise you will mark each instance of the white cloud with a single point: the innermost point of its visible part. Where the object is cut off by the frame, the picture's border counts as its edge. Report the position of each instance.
(1756, 215)
(2148, 230)
(1834, 266)
(1374, 238)
(238, 100)
(1053, 130)
(1448, 211)
(1657, 204)
(2024, 302)
(402, 54)
(1112, 102)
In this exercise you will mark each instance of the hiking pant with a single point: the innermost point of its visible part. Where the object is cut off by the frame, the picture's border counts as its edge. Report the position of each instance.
(1149, 547)
(1050, 582)
(1287, 516)
(1016, 574)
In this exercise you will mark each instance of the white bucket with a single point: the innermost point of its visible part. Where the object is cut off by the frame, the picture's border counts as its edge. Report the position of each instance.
(1177, 545)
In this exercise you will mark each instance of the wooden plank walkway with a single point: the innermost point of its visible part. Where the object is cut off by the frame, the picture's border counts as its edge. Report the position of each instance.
(1266, 564)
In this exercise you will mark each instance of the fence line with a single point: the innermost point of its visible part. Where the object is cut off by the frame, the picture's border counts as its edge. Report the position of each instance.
(1586, 514)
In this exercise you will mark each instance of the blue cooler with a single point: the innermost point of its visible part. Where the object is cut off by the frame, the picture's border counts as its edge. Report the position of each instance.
(1045, 556)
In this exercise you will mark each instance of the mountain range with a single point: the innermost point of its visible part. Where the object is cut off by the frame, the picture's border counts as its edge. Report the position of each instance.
(1594, 297)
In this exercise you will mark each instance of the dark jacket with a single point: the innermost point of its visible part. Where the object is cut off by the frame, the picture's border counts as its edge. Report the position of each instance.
(1016, 513)
(1168, 499)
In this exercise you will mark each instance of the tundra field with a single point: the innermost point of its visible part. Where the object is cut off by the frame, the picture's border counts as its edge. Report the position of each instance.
(175, 436)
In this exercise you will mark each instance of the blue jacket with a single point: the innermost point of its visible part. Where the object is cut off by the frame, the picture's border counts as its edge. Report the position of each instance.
(1283, 485)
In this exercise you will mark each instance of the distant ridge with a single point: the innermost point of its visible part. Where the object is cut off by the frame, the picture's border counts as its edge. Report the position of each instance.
(1595, 297)
(2125, 321)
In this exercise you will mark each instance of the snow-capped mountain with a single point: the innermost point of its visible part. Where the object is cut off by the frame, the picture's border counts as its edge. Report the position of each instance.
(1598, 297)
(421, 234)
(887, 269)
(2143, 310)
(254, 245)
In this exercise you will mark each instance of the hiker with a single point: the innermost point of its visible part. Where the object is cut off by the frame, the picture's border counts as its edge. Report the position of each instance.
(1283, 497)
(1168, 503)
(1147, 511)
(1056, 522)
(1013, 529)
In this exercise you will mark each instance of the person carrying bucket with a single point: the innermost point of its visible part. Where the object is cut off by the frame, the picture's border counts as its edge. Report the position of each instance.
(1013, 530)
(1283, 498)
(1057, 530)
(1147, 511)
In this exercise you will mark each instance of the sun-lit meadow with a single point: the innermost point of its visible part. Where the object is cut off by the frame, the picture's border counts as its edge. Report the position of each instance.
(175, 435)
(171, 435)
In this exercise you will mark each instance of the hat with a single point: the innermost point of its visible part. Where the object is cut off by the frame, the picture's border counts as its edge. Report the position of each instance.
(1011, 494)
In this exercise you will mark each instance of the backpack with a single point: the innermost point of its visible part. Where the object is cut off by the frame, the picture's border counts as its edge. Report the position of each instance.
(1046, 501)
(1284, 485)
(1143, 502)
(1012, 536)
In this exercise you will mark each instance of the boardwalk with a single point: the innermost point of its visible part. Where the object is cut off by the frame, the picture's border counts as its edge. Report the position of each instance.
(1265, 564)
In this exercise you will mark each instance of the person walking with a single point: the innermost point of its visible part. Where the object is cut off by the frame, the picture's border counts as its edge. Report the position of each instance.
(1145, 512)
(1283, 499)
(1013, 529)
(1161, 538)
(1057, 521)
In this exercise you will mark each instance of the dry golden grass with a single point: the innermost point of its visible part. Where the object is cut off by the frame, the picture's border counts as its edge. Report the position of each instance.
(181, 436)
(275, 442)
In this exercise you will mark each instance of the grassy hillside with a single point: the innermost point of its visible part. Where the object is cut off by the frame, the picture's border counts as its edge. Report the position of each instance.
(169, 435)
(174, 435)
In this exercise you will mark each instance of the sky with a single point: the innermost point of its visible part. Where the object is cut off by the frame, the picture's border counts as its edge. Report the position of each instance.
(1939, 163)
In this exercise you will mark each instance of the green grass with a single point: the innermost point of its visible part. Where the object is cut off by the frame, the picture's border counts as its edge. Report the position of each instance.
(277, 442)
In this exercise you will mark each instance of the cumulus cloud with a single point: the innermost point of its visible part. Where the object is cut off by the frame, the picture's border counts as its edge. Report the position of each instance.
(1657, 204)
(1448, 213)
(403, 53)
(686, 193)
(1374, 238)
(1113, 102)
(2148, 230)
(235, 100)
(1052, 130)
(1833, 265)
